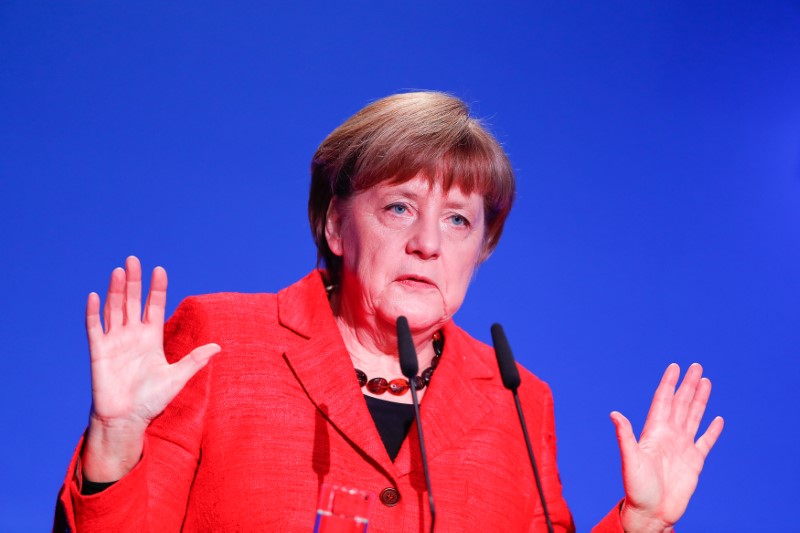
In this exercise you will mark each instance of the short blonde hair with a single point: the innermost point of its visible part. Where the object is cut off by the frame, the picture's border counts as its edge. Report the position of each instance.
(402, 136)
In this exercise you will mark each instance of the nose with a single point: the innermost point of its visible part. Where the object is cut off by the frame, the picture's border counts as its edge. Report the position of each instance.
(425, 239)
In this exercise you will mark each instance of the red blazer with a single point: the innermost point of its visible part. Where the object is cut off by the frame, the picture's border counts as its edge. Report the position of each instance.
(247, 444)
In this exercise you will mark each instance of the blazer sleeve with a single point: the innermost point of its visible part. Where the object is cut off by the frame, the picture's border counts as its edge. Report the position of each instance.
(611, 522)
(153, 496)
(560, 515)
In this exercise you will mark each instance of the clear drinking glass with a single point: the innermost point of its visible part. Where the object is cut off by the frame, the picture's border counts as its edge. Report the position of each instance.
(343, 510)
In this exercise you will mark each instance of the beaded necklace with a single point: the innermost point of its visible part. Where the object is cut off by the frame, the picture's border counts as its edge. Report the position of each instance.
(399, 386)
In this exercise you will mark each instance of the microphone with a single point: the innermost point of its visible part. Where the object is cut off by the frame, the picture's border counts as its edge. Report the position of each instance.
(509, 373)
(409, 366)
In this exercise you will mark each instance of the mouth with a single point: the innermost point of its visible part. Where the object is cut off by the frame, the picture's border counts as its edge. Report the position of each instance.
(415, 281)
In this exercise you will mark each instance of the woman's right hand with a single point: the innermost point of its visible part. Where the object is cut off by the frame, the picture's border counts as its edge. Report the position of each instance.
(132, 382)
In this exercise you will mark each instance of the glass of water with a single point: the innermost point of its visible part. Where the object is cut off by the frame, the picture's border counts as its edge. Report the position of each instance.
(343, 510)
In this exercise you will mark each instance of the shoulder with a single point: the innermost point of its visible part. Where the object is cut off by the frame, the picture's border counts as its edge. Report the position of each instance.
(483, 372)
(245, 307)
(221, 318)
(221, 304)
(482, 358)
(230, 318)
(220, 311)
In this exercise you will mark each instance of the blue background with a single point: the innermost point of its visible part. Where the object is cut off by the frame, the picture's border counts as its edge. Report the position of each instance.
(657, 146)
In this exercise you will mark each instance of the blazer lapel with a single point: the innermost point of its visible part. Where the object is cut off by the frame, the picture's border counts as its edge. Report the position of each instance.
(452, 405)
(322, 365)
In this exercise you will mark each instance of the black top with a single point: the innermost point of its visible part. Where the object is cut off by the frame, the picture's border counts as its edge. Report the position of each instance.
(393, 421)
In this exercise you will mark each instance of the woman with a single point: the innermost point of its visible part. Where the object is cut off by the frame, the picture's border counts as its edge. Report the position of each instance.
(232, 415)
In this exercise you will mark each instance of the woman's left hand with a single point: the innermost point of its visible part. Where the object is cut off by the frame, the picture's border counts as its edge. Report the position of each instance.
(661, 470)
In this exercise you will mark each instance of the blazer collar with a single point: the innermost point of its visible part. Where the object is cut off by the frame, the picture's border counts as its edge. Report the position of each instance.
(323, 367)
(451, 407)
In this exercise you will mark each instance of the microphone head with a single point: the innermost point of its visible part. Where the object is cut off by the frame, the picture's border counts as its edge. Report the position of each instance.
(409, 365)
(509, 372)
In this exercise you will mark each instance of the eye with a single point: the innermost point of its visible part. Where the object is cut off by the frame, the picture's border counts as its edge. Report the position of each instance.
(459, 220)
(397, 209)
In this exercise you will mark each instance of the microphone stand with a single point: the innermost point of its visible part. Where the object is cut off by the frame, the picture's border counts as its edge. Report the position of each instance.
(409, 365)
(533, 461)
(511, 380)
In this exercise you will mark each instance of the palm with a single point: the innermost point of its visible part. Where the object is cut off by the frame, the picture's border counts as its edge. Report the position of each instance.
(661, 470)
(132, 382)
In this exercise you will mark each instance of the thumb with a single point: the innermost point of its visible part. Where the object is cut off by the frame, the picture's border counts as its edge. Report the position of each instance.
(625, 437)
(188, 366)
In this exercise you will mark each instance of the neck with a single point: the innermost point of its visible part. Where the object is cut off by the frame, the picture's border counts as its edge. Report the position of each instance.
(372, 343)
(372, 346)
(374, 350)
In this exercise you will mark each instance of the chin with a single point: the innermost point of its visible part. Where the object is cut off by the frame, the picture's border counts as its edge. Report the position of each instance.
(419, 318)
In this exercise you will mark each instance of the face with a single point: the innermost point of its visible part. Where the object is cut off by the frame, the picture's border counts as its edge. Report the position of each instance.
(407, 249)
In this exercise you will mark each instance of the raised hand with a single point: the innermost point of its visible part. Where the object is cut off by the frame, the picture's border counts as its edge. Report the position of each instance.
(132, 382)
(661, 470)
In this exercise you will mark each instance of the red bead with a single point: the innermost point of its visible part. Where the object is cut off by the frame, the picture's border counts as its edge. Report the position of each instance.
(398, 386)
(377, 385)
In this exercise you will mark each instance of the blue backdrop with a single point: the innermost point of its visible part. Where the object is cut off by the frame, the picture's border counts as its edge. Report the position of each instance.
(657, 146)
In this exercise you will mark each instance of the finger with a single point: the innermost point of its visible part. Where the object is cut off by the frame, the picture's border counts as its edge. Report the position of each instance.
(94, 329)
(709, 438)
(106, 305)
(661, 406)
(698, 406)
(626, 439)
(155, 308)
(183, 370)
(685, 394)
(112, 311)
(133, 290)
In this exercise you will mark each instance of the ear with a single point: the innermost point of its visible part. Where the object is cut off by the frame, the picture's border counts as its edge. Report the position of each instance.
(333, 227)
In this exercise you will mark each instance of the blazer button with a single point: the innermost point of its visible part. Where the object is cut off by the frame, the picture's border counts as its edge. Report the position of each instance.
(389, 496)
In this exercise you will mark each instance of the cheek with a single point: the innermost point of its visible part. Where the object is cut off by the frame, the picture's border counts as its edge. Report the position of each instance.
(457, 292)
(460, 276)
(373, 266)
